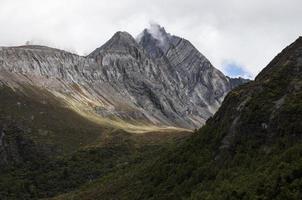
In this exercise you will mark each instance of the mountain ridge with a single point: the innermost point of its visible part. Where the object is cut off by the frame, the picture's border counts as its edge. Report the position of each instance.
(97, 85)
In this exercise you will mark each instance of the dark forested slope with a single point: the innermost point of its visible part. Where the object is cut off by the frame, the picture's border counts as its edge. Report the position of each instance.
(250, 149)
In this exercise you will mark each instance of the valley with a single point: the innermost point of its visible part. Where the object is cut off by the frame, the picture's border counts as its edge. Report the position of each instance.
(136, 119)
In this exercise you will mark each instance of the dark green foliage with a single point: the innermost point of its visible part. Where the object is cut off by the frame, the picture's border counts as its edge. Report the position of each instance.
(39, 177)
(45, 178)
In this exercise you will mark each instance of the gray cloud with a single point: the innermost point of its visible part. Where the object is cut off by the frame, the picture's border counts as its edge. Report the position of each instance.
(249, 33)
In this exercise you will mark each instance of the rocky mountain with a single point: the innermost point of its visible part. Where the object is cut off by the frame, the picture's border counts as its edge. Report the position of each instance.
(250, 149)
(137, 86)
(54, 103)
(198, 84)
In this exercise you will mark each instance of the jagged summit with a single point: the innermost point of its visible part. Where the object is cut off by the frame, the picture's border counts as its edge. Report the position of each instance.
(156, 40)
(160, 44)
(156, 31)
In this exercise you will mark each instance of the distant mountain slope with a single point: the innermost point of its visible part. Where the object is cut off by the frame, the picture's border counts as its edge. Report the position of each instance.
(250, 149)
(235, 82)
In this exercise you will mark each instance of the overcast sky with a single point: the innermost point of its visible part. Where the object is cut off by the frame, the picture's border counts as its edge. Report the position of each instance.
(238, 36)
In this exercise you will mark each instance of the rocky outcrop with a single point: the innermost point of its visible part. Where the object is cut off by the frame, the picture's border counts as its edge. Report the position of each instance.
(235, 82)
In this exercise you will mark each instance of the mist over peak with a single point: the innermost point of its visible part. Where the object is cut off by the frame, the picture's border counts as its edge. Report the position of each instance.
(158, 32)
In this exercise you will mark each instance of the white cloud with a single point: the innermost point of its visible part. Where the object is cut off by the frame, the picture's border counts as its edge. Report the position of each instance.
(249, 33)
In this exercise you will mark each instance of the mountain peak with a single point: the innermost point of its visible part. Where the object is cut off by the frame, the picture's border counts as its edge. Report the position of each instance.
(155, 40)
(156, 31)
(122, 35)
(120, 41)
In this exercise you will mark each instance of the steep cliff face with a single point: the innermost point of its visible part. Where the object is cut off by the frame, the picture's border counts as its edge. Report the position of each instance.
(129, 70)
(200, 84)
(156, 82)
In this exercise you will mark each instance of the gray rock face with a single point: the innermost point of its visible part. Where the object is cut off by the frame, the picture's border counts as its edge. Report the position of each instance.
(201, 86)
(159, 79)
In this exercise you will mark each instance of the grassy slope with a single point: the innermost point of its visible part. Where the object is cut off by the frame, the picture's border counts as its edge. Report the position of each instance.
(250, 149)
(50, 149)
(46, 121)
